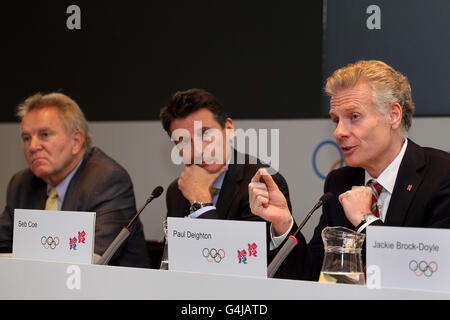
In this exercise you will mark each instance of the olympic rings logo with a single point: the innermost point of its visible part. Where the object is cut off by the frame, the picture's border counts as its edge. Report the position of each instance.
(339, 163)
(213, 254)
(50, 242)
(423, 268)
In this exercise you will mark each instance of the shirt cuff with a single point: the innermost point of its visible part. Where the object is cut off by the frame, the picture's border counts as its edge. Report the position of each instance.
(201, 211)
(276, 241)
(365, 225)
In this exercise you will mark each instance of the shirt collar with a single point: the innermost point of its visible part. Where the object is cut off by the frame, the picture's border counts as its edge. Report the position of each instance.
(389, 175)
(61, 188)
(219, 181)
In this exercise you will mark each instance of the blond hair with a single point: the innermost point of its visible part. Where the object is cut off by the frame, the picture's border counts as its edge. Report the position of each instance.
(70, 113)
(388, 86)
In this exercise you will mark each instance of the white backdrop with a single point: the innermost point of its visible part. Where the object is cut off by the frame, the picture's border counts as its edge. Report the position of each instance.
(143, 148)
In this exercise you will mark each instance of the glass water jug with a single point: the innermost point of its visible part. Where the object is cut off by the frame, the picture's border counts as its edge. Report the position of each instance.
(342, 262)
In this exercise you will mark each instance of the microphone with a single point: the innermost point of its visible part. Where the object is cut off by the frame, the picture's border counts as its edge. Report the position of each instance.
(155, 194)
(292, 240)
(126, 231)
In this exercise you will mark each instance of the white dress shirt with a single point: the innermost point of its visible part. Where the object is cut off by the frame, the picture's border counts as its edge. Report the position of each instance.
(387, 180)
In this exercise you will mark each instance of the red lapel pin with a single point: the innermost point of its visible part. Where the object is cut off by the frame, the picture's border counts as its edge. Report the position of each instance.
(409, 187)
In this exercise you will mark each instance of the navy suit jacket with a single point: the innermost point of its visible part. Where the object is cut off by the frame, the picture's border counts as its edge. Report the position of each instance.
(233, 201)
(426, 204)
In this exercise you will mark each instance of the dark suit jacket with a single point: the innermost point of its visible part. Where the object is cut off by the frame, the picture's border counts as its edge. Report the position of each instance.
(233, 201)
(426, 205)
(100, 185)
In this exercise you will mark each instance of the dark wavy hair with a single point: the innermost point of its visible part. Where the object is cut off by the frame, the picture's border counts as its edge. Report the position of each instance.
(183, 103)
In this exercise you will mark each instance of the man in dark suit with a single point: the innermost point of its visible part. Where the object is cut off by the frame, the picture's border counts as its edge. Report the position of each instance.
(389, 180)
(214, 183)
(66, 173)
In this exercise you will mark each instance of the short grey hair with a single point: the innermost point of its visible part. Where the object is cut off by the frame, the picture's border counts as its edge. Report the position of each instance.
(71, 114)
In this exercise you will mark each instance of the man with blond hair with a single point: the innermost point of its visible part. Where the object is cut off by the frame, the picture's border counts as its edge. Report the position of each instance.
(66, 173)
(389, 180)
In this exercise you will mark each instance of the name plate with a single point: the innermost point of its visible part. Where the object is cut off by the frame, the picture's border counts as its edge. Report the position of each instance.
(217, 246)
(62, 236)
(413, 258)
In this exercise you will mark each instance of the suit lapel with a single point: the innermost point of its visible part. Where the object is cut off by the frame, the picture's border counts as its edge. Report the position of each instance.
(357, 177)
(72, 196)
(40, 195)
(408, 181)
(230, 188)
(33, 195)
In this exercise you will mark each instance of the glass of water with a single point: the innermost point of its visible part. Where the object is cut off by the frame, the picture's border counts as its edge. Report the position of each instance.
(165, 257)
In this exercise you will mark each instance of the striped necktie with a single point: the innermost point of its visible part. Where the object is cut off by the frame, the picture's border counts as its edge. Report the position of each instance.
(52, 200)
(376, 190)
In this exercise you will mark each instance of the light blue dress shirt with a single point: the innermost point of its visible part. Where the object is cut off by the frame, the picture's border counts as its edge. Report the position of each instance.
(61, 188)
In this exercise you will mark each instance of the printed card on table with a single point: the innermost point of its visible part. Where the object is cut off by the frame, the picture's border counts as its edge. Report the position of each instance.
(217, 246)
(62, 236)
(412, 258)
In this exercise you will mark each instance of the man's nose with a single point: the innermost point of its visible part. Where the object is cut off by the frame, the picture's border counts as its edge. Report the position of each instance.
(197, 157)
(34, 144)
(341, 130)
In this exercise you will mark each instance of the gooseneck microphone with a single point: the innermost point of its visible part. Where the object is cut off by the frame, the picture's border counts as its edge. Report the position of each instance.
(126, 231)
(292, 241)
(155, 194)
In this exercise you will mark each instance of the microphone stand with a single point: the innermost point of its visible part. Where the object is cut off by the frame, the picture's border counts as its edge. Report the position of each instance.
(126, 231)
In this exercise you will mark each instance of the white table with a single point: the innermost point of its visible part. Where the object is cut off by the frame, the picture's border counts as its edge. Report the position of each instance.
(26, 279)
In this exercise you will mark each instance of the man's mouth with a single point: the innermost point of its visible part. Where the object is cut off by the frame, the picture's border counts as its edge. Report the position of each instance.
(36, 160)
(347, 149)
(209, 161)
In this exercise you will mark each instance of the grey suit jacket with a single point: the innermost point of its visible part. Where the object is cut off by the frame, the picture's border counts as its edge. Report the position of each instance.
(100, 185)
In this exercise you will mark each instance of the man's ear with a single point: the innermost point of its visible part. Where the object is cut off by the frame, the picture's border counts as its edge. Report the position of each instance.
(78, 139)
(229, 128)
(395, 115)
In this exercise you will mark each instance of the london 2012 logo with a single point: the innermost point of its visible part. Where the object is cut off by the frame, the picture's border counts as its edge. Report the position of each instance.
(216, 255)
(73, 242)
(424, 268)
(252, 251)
